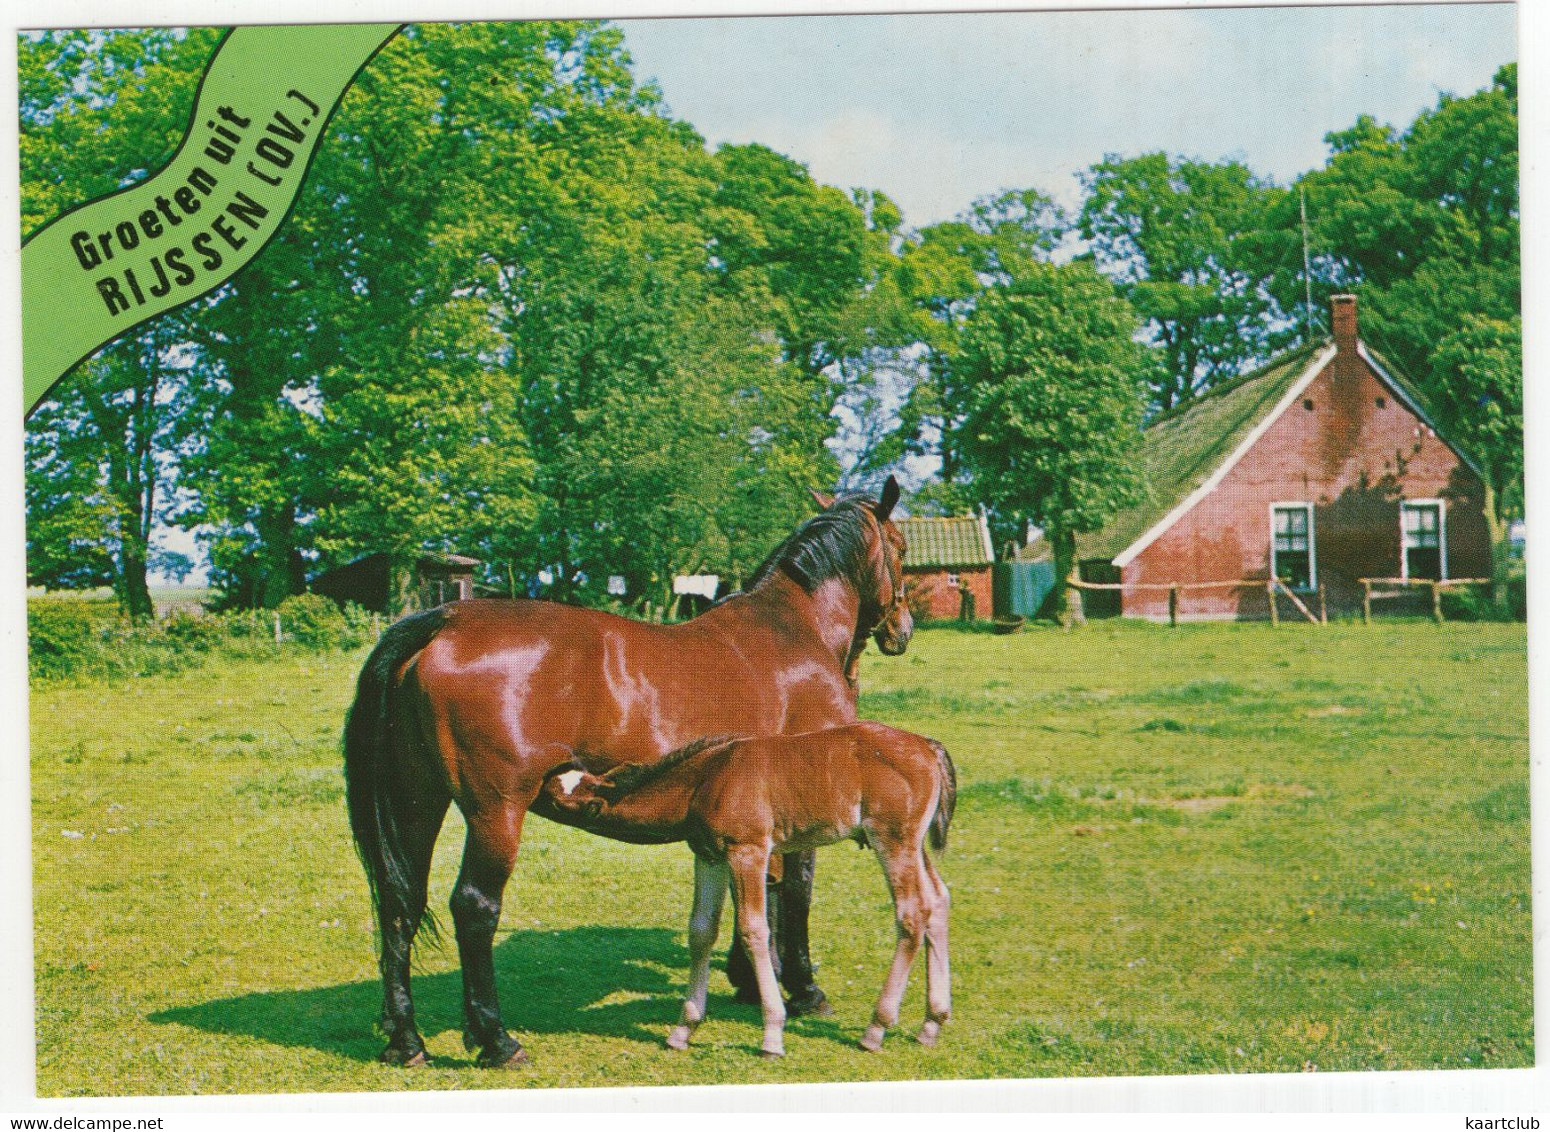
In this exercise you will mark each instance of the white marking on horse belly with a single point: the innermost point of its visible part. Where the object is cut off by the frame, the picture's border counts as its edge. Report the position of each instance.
(570, 778)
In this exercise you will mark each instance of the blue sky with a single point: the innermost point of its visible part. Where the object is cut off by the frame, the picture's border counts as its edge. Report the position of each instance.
(936, 110)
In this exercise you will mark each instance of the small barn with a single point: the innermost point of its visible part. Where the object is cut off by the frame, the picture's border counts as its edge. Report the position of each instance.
(943, 558)
(1320, 469)
(373, 583)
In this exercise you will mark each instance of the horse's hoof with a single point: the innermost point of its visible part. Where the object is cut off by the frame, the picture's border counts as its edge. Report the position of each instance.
(772, 1054)
(928, 1036)
(518, 1060)
(679, 1038)
(872, 1040)
(404, 1059)
(812, 1002)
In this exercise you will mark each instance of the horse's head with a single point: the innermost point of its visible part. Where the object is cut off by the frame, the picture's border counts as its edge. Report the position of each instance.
(880, 584)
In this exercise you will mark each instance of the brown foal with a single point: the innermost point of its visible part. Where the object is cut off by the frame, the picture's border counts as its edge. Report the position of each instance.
(737, 801)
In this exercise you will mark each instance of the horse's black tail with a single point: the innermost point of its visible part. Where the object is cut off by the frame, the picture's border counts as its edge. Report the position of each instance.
(371, 785)
(946, 800)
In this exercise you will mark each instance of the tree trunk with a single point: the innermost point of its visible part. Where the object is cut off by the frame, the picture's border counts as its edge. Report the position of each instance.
(1500, 551)
(134, 594)
(277, 559)
(1064, 545)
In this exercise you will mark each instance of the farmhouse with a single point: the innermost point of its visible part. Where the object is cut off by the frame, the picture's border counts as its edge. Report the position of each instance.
(942, 557)
(372, 582)
(1320, 469)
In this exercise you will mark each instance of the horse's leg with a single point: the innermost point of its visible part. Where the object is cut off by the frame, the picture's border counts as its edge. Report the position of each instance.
(748, 864)
(789, 927)
(710, 889)
(939, 995)
(488, 856)
(901, 864)
(399, 918)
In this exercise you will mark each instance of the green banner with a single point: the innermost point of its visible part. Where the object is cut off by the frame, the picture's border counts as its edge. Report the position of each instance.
(103, 268)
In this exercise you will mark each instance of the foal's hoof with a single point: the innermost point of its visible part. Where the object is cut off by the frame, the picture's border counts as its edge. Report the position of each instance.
(679, 1038)
(811, 1001)
(772, 1054)
(872, 1040)
(405, 1059)
(929, 1035)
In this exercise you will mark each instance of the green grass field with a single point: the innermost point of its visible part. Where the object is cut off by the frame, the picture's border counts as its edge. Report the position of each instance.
(1221, 848)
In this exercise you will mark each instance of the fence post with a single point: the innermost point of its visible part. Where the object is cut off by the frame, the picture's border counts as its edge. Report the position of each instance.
(1270, 594)
(1173, 604)
(1073, 611)
(1323, 612)
(1437, 602)
(1366, 601)
(277, 635)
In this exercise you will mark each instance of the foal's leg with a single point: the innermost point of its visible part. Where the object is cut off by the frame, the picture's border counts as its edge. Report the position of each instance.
(488, 855)
(939, 995)
(710, 888)
(740, 972)
(748, 863)
(901, 864)
(789, 900)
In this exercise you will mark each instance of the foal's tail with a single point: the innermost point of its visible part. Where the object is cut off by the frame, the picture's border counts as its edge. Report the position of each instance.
(946, 800)
(372, 788)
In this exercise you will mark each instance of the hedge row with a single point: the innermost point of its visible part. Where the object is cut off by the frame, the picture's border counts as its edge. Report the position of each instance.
(70, 639)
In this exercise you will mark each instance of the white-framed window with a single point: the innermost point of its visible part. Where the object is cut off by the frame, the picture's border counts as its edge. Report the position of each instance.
(952, 579)
(1423, 539)
(1292, 545)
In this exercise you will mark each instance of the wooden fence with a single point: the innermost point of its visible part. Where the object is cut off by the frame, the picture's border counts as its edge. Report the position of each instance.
(1404, 585)
(1272, 585)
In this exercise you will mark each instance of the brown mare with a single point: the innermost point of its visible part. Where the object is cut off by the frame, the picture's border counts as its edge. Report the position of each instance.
(475, 702)
(737, 801)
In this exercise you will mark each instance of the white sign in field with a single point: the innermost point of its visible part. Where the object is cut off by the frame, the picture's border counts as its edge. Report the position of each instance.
(703, 585)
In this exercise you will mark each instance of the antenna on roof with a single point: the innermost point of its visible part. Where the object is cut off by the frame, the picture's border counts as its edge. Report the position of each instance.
(1307, 275)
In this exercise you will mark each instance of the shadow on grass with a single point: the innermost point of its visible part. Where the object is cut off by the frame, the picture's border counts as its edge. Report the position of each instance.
(614, 982)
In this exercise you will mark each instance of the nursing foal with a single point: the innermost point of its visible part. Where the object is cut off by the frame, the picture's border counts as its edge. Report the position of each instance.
(737, 801)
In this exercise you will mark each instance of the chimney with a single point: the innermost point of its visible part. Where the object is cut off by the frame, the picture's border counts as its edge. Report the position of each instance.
(1342, 311)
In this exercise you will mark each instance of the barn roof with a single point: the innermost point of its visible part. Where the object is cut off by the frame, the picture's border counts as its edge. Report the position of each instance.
(1183, 447)
(945, 543)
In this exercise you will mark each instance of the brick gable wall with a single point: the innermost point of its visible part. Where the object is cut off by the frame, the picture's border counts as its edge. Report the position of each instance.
(1355, 454)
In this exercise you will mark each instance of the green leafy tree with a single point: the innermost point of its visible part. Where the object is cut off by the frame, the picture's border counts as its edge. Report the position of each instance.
(938, 275)
(377, 416)
(1183, 242)
(804, 247)
(100, 110)
(1046, 397)
(1481, 405)
(649, 392)
(1423, 225)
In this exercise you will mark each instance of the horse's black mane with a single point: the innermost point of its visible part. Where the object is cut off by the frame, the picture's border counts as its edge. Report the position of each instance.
(832, 544)
(632, 776)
